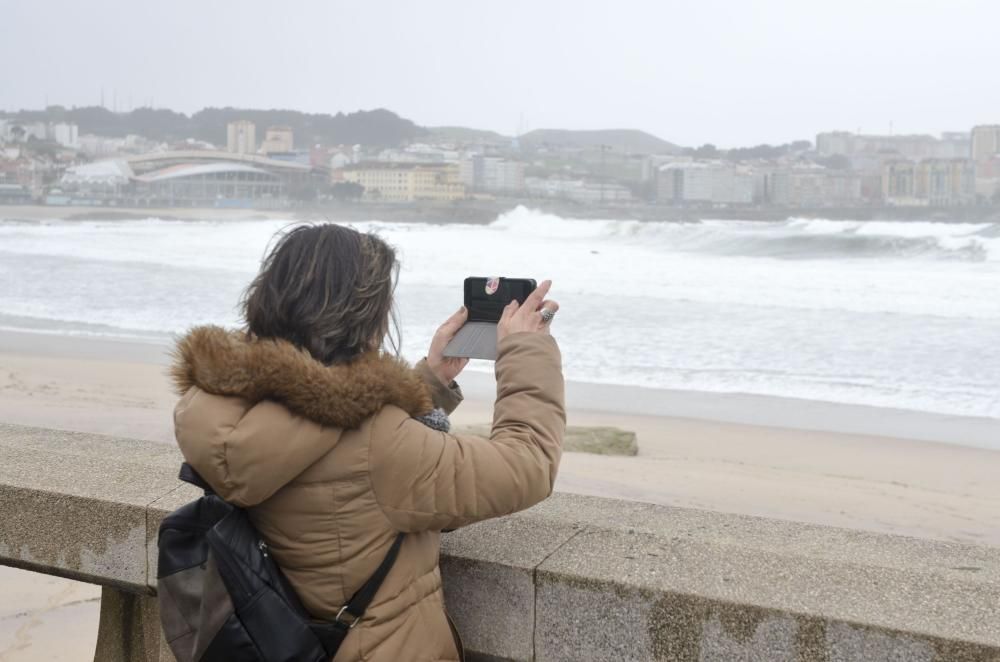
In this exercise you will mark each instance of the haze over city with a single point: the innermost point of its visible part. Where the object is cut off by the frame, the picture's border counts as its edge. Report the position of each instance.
(716, 72)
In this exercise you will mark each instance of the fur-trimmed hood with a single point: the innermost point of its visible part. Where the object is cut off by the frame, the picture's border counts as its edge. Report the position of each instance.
(225, 362)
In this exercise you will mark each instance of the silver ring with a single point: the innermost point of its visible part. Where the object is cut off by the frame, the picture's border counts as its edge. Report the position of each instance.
(547, 315)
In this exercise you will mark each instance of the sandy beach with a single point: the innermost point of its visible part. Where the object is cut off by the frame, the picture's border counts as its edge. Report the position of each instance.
(892, 471)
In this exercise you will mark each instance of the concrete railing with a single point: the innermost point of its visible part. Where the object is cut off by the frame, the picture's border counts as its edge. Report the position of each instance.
(575, 578)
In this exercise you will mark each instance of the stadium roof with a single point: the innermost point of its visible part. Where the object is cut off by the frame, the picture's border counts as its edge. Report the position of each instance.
(195, 155)
(197, 170)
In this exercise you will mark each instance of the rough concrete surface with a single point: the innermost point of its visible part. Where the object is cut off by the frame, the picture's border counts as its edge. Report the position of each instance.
(598, 440)
(489, 573)
(575, 578)
(86, 465)
(130, 629)
(91, 489)
(157, 510)
(906, 600)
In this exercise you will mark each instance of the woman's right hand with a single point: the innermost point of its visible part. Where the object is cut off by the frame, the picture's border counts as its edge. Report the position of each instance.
(527, 317)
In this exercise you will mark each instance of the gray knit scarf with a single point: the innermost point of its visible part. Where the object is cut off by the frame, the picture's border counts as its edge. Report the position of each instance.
(437, 419)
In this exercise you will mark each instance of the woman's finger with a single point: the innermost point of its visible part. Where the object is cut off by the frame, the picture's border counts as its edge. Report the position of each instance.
(535, 299)
(508, 311)
(454, 323)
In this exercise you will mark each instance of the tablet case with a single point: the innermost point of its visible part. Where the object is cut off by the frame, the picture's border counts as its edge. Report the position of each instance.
(485, 299)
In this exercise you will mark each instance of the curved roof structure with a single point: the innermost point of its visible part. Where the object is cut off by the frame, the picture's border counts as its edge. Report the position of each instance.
(199, 169)
(158, 160)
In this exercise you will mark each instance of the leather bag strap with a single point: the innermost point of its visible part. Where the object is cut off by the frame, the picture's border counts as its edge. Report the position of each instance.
(189, 475)
(332, 634)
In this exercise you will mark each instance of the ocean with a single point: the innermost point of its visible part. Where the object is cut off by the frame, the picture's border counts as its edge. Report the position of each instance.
(888, 314)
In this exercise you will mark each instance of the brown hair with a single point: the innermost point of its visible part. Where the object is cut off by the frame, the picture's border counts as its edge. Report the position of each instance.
(327, 289)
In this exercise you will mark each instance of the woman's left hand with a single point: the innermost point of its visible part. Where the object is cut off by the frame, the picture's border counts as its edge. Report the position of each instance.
(447, 368)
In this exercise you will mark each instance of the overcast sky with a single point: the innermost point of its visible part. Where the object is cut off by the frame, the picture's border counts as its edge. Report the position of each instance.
(735, 72)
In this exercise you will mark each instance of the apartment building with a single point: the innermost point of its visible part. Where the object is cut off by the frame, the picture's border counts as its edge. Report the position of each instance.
(704, 182)
(930, 182)
(985, 142)
(406, 182)
(491, 173)
(277, 140)
(241, 137)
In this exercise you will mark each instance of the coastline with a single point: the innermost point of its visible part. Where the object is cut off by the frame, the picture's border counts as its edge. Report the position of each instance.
(749, 455)
(840, 465)
(486, 211)
(612, 400)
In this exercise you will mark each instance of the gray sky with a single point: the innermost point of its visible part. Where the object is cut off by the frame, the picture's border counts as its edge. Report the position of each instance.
(735, 72)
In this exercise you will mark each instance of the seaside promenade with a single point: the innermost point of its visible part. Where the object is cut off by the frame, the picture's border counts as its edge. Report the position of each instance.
(575, 578)
(671, 575)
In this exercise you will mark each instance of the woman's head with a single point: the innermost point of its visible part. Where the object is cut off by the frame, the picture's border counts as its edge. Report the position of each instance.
(325, 288)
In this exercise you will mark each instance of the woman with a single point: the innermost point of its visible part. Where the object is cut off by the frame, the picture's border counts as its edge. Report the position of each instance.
(326, 440)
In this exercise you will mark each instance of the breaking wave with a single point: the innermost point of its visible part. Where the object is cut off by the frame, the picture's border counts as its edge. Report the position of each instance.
(796, 238)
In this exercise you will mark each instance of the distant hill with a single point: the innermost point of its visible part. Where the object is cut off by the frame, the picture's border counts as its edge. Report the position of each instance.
(380, 127)
(377, 128)
(465, 134)
(627, 140)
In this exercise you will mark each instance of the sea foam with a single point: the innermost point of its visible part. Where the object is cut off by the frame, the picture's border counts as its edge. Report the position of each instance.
(896, 314)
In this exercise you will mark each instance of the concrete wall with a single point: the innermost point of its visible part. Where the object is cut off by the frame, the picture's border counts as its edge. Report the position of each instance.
(575, 578)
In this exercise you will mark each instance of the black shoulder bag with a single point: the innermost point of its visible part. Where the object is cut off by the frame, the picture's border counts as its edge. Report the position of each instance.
(223, 598)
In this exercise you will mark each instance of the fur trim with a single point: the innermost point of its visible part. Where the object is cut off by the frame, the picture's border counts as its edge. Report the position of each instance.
(227, 363)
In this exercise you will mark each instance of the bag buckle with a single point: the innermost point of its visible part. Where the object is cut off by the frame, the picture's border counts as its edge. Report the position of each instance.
(350, 625)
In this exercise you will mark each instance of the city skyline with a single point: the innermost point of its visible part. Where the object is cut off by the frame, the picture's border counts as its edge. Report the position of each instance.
(810, 137)
(776, 71)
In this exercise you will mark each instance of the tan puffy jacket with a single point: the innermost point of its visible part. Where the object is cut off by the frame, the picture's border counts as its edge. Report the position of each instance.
(331, 465)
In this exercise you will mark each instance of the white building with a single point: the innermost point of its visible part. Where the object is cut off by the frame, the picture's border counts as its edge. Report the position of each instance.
(985, 142)
(99, 146)
(344, 156)
(491, 173)
(98, 180)
(807, 186)
(577, 190)
(651, 164)
(951, 145)
(277, 139)
(241, 137)
(340, 160)
(833, 143)
(954, 145)
(709, 182)
(64, 133)
(419, 153)
(102, 146)
(108, 172)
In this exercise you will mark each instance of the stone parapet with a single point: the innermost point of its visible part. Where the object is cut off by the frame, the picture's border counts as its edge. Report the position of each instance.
(575, 578)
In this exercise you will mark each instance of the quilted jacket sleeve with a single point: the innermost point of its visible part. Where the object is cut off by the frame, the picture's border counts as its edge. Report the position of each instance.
(428, 480)
(444, 397)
